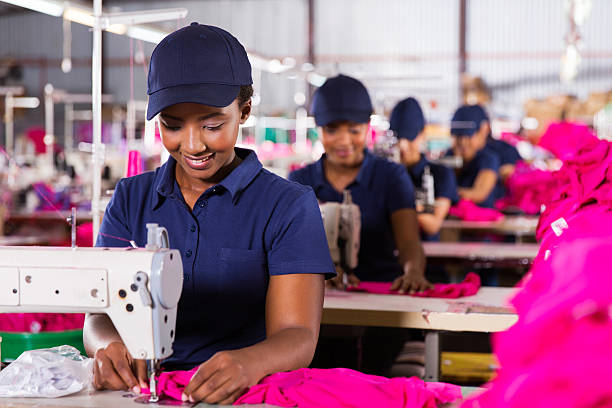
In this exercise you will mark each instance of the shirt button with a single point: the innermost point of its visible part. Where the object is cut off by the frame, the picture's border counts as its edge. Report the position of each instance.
(188, 253)
(192, 228)
(203, 204)
(186, 277)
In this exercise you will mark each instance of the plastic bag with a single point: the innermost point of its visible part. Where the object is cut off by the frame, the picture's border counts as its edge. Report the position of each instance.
(49, 373)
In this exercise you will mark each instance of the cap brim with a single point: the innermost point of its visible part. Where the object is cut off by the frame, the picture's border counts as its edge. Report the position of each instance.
(407, 134)
(328, 117)
(217, 95)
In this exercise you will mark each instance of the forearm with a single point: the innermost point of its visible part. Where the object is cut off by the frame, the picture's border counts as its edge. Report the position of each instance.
(285, 350)
(412, 259)
(98, 332)
(474, 194)
(430, 223)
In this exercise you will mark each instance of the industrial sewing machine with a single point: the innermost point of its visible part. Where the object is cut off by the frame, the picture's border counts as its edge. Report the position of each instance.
(138, 288)
(342, 222)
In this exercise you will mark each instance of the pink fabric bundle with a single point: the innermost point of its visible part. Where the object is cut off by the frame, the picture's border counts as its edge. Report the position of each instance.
(341, 387)
(528, 188)
(468, 211)
(468, 287)
(40, 322)
(336, 387)
(564, 319)
(564, 139)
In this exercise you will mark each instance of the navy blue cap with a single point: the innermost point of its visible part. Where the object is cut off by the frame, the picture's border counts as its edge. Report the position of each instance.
(407, 119)
(200, 64)
(467, 120)
(341, 98)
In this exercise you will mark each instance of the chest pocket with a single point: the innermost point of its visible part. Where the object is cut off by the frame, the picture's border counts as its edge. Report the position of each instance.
(243, 268)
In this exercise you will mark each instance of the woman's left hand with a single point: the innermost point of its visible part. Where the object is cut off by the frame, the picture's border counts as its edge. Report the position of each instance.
(411, 283)
(221, 379)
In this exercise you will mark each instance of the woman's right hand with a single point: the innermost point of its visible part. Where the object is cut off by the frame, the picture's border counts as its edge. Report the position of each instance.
(115, 369)
(340, 281)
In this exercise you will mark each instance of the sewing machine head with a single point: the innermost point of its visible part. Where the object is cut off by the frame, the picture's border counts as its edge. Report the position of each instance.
(138, 289)
(342, 222)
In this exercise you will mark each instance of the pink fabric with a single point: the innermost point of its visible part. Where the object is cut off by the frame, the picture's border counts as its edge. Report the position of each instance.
(172, 383)
(40, 322)
(468, 287)
(468, 211)
(85, 235)
(565, 303)
(563, 139)
(341, 387)
(528, 188)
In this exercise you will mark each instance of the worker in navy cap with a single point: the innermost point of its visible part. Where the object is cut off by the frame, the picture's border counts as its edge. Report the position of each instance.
(390, 248)
(252, 244)
(382, 190)
(479, 174)
(408, 123)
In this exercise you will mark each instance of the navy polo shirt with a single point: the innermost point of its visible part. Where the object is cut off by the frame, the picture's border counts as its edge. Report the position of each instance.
(251, 225)
(445, 184)
(380, 188)
(506, 153)
(483, 160)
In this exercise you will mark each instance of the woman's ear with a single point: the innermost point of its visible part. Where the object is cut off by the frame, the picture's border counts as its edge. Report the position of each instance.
(245, 111)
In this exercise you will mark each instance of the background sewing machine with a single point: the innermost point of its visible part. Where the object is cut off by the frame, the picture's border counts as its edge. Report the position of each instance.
(138, 288)
(342, 222)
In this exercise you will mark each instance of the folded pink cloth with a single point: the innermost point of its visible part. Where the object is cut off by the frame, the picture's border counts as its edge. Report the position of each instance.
(564, 139)
(468, 287)
(468, 211)
(40, 322)
(341, 387)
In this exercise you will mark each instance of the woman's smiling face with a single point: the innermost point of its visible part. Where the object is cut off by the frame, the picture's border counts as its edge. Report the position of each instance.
(201, 138)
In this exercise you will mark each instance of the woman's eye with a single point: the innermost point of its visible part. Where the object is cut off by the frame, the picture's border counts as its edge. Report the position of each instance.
(171, 128)
(213, 128)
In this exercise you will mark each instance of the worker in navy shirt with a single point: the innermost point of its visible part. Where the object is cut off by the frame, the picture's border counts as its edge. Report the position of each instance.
(408, 122)
(479, 174)
(252, 244)
(382, 190)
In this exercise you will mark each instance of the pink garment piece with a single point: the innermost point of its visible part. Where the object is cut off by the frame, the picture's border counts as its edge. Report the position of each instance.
(564, 139)
(528, 188)
(468, 287)
(85, 235)
(134, 163)
(40, 322)
(341, 387)
(172, 383)
(468, 211)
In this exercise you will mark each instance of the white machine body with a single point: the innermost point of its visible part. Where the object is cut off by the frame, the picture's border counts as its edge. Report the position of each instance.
(138, 289)
(342, 223)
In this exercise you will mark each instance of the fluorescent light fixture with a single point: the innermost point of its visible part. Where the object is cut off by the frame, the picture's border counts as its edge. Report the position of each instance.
(144, 16)
(147, 34)
(26, 102)
(316, 79)
(53, 8)
(85, 17)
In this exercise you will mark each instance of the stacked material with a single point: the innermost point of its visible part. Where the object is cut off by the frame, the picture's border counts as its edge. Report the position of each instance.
(558, 353)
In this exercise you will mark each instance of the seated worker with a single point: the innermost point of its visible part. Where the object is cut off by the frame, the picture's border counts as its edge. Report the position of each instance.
(390, 247)
(408, 123)
(252, 244)
(382, 190)
(478, 176)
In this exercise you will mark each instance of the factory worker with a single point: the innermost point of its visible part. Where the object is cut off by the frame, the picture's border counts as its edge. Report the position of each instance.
(382, 190)
(252, 244)
(390, 247)
(478, 176)
(407, 122)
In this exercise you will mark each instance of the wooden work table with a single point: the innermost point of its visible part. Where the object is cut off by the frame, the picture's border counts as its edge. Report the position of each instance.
(487, 311)
(488, 253)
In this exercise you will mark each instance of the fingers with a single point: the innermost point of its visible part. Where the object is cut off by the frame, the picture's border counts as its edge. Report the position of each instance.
(232, 398)
(202, 374)
(353, 280)
(335, 283)
(218, 387)
(140, 368)
(105, 374)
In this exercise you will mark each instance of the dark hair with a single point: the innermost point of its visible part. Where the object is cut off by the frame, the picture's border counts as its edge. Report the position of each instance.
(246, 92)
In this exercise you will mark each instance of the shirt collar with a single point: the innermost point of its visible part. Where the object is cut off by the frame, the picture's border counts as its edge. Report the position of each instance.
(418, 169)
(234, 183)
(363, 177)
